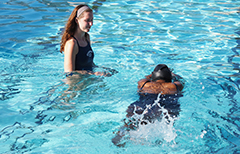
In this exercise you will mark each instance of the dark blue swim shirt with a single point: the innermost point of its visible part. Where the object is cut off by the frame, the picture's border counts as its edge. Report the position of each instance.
(150, 110)
(84, 57)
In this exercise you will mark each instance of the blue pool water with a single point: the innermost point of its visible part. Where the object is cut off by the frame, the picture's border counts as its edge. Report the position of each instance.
(40, 113)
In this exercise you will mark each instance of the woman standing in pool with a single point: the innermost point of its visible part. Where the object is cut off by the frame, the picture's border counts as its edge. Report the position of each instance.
(75, 44)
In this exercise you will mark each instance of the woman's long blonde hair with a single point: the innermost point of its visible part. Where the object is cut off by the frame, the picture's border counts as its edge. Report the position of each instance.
(71, 26)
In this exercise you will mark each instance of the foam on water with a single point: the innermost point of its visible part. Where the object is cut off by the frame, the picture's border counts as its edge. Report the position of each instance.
(159, 131)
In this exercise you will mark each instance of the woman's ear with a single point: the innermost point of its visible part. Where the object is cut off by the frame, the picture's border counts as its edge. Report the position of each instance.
(76, 20)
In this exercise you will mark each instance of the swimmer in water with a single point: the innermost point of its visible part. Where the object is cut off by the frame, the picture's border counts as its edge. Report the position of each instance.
(161, 85)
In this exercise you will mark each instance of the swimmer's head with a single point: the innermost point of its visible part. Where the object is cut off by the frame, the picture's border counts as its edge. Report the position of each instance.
(162, 72)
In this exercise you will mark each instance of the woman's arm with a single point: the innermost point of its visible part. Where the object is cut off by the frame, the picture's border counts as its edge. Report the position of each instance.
(70, 51)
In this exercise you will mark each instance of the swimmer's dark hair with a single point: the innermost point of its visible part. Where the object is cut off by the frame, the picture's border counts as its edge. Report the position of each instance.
(162, 72)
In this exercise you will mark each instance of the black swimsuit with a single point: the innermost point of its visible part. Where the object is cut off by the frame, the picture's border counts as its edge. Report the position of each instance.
(84, 57)
(151, 110)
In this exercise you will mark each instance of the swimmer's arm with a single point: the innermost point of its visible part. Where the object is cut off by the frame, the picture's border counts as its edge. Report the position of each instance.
(149, 76)
(177, 79)
(141, 82)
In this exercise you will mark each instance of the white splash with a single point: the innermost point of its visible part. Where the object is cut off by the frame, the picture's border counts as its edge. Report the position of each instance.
(159, 131)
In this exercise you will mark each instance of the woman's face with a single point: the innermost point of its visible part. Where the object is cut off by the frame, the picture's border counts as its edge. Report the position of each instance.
(86, 21)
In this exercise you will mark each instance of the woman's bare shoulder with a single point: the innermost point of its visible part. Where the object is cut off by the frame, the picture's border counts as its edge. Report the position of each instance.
(71, 42)
(70, 46)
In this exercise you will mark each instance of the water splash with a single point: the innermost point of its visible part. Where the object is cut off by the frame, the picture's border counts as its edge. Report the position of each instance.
(157, 131)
